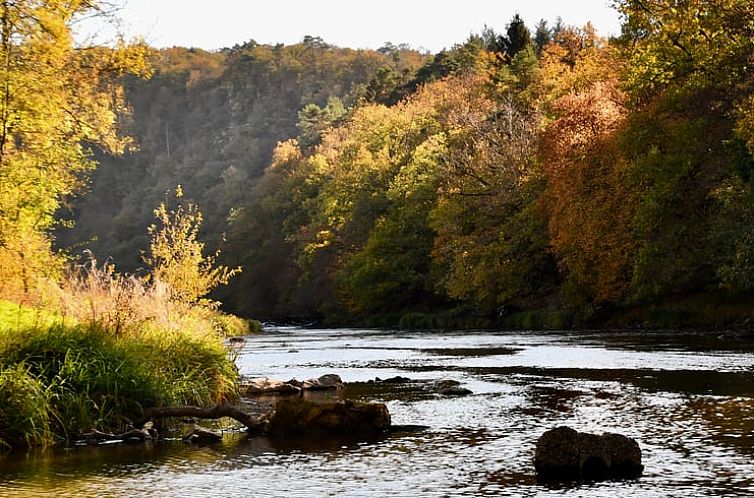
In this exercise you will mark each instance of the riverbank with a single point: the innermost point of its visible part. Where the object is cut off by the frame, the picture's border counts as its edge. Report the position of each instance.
(704, 311)
(60, 376)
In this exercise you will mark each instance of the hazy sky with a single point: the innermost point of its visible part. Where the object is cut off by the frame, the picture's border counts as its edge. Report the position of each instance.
(429, 24)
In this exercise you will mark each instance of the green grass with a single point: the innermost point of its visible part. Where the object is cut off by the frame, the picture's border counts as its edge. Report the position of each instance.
(59, 378)
(17, 317)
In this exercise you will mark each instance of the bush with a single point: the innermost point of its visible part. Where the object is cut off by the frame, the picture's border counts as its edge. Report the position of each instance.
(176, 256)
(231, 325)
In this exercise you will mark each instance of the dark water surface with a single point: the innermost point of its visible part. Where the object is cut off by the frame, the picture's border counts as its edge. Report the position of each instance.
(687, 399)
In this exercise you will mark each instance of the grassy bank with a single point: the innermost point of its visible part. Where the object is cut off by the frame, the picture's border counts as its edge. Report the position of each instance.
(61, 375)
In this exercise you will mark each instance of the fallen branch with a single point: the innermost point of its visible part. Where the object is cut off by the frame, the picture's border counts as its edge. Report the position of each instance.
(144, 434)
(252, 423)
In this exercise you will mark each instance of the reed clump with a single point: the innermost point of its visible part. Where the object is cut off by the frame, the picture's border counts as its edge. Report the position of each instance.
(113, 346)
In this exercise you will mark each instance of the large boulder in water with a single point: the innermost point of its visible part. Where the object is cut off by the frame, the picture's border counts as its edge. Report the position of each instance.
(301, 417)
(565, 454)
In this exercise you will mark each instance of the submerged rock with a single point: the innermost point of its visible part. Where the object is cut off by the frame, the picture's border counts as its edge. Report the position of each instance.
(565, 454)
(446, 384)
(455, 391)
(394, 380)
(301, 417)
(200, 435)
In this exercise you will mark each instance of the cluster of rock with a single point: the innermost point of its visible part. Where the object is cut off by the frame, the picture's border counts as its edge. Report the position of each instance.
(566, 454)
(264, 385)
(445, 387)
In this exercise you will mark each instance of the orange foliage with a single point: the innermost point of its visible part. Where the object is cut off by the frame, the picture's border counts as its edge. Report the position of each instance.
(588, 200)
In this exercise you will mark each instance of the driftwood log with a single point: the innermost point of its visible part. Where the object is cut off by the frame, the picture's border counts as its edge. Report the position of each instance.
(253, 424)
(146, 433)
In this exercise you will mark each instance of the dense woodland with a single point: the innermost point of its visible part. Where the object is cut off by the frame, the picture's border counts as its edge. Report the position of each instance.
(544, 168)
(210, 121)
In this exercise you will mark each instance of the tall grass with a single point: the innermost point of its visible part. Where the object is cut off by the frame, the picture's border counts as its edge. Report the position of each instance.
(117, 302)
(25, 418)
(113, 346)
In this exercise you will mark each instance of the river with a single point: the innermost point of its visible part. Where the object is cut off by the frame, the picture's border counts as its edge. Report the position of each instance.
(688, 399)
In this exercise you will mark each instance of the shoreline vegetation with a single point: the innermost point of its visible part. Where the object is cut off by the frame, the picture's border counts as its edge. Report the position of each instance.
(702, 312)
(100, 349)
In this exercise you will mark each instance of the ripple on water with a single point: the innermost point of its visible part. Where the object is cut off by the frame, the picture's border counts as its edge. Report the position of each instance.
(689, 406)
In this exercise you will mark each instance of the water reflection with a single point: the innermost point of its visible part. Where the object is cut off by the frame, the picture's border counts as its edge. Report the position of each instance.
(688, 400)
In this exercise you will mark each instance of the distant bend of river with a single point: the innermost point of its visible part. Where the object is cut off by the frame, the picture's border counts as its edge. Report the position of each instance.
(688, 399)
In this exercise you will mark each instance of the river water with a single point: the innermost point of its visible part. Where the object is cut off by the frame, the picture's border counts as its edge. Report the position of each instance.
(688, 399)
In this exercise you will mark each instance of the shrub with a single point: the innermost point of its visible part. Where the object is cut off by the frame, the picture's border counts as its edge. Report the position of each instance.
(176, 256)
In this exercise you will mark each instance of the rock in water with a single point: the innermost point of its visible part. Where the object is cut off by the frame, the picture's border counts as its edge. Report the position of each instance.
(565, 454)
(301, 417)
(323, 383)
(446, 383)
(263, 385)
(200, 435)
(455, 391)
(395, 380)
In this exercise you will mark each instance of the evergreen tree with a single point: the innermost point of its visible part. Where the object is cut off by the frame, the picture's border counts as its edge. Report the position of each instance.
(517, 36)
(542, 35)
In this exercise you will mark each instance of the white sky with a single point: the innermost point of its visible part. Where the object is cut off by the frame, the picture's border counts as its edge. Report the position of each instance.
(428, 24)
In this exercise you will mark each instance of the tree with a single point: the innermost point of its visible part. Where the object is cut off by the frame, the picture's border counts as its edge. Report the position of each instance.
(490, 248)
(590, 204)
(57, 102)
(314, 120)
(690, 86)
(517, 36)
(176, 256)
(542, 35)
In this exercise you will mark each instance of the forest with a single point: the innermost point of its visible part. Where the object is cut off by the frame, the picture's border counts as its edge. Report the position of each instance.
(542, 176)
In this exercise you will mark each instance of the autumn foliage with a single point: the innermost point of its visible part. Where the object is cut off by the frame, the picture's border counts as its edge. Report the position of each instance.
(580, 173)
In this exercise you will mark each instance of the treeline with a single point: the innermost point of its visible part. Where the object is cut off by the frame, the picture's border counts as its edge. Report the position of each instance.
(537, 169)
(209, 121)
(560, 171)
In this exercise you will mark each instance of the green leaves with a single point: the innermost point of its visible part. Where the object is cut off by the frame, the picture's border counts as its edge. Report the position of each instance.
(176, 256)
(57, 102)
(685, 46)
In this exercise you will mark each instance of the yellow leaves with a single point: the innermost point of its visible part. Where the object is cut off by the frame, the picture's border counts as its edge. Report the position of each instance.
(176, 256)
(323, 239)
(286, 152)
(56, 102)
(689, 45)
(576, 60)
